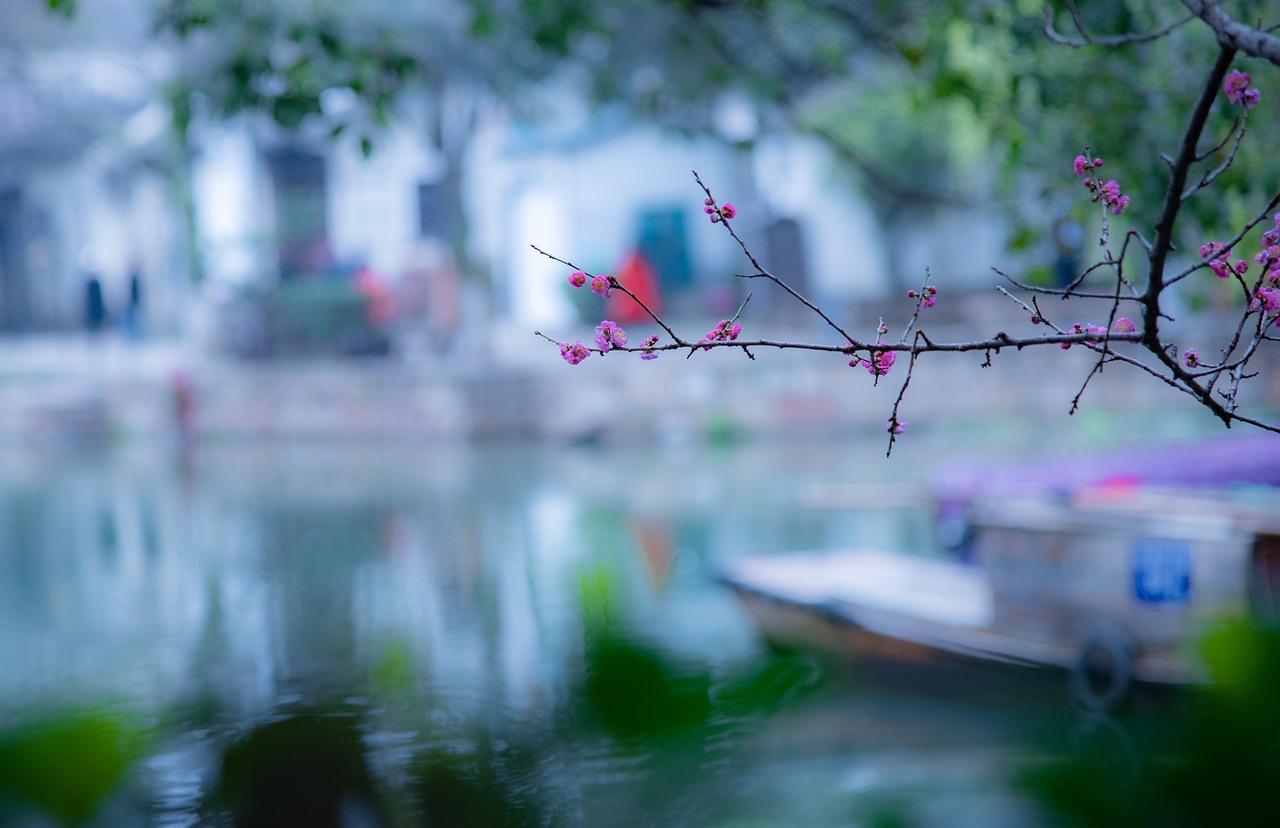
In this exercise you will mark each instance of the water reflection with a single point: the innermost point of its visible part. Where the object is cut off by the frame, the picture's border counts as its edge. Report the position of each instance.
(467, 635)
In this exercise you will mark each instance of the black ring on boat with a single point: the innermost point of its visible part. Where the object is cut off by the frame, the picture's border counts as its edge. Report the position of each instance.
(1101, 676)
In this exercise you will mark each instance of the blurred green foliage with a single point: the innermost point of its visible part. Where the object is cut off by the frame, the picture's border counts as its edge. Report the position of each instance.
(1214, 762)
(64, 7)
(280, 60)
(925, 102)
(66, 763)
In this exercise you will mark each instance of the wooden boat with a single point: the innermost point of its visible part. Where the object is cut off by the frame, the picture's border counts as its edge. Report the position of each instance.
(1112, 585)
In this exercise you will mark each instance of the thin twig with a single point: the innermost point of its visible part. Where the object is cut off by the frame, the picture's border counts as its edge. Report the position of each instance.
(760, 271)
(615, 284)
(1111, 40)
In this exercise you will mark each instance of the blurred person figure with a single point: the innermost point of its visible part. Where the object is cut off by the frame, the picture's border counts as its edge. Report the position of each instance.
(382, 306)
(133, 306)
(637, 275)
(95, 304)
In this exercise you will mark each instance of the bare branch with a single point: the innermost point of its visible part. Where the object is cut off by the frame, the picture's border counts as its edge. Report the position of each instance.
(1236, 36)
(1211, 175)
(616, 285)
(1209, 153)
(1163, 242)
(761, 272)
(895, 425)
(1087, 39)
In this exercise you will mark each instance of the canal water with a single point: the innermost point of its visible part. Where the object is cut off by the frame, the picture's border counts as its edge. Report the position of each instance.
(443, 634)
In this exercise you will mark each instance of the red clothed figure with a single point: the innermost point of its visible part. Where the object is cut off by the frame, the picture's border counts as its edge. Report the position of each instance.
(639, 277)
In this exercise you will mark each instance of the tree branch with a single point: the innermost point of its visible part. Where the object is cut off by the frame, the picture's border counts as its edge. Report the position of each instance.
(1112, 40)
(1234, 35)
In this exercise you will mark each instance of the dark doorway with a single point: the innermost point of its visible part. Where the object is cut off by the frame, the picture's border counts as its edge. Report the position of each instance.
(298, 179)
(15, 300)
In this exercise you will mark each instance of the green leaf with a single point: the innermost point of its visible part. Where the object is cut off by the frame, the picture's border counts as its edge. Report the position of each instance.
(66, 8)
(485, 24)
(67, 763)
(290, 110)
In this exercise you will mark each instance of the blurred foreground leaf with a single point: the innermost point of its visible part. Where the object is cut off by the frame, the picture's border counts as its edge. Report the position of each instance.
(638, 692)
(66, 763)
(307, 770)
(480, 789)
(1216, 761)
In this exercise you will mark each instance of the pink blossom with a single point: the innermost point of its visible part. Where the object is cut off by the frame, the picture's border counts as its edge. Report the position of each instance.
(1266, 299)
(577, 278)
(1219, 259)
(722, 332)
(1096, 330)
(1109, 193)
(1191, 357)
(1209, 249)
(881, 361)
(648, 344)
(1082, 165)
(1235, 85)
(600, 286)
(610, 336)
(1125, 325)
(930, 294)
(648, 355)
(722, 213)
(1250, 98)
(895, 426)
(575, 353)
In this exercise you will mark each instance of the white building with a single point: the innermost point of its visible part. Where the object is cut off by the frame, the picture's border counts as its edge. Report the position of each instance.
(263, 206)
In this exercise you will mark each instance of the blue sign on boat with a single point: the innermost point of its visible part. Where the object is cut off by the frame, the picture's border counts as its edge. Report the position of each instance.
(1162, 571)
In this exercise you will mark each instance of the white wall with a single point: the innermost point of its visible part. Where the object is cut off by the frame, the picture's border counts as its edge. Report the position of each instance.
(373, 202)
(233, 208)
(580, 200)
(845, 251)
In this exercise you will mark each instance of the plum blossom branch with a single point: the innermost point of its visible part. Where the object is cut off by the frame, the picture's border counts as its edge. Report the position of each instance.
(760, 271)
(1236, 86)
(1215, 385)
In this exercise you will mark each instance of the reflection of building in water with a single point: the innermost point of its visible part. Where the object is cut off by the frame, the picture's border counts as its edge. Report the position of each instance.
(452, 577)
(271, 577)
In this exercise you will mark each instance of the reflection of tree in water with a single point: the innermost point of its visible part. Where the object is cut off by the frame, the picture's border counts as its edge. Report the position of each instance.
(629, 740)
